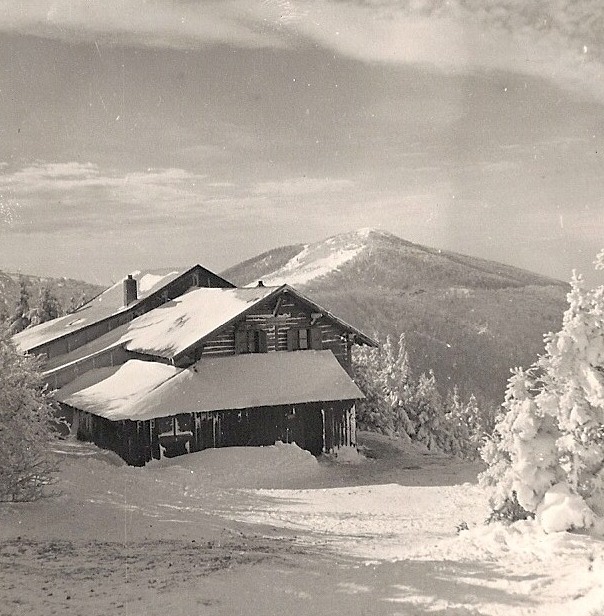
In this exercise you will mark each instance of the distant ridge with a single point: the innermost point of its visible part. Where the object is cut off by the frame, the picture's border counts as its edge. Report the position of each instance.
(469, 319)
(303, 263)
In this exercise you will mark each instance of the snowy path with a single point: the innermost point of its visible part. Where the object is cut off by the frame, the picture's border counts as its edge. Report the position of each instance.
(413, 555)
(373, 522)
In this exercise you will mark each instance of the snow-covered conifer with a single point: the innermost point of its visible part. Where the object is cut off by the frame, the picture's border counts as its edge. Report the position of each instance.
(48, 308)
(548, 449)
(521, 455)
(428, 413)
(26, 426)
(21, 317)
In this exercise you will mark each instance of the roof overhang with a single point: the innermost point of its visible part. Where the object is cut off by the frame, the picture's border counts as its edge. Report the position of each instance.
(140, 390)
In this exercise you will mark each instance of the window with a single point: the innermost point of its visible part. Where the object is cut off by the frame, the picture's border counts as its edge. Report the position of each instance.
(173, 426)
(183, 424)
(165, 426)
(304, 338)
(250, 341)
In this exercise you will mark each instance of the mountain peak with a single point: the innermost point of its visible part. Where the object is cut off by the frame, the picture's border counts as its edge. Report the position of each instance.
(319, 259)
(466, 318)
(370, 255)
(303, 263)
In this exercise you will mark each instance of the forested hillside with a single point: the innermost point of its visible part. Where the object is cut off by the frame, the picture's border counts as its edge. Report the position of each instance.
(468, 319)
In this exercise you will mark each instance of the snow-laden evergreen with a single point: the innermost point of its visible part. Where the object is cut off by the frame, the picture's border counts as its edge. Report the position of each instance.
(547, 451)
(412, 408)
(27, 426)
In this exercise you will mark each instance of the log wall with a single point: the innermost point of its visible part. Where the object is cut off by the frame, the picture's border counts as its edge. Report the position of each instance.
(316, 427)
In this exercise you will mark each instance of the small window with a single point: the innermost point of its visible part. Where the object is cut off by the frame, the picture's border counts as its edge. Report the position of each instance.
(184, 424)
(165, 426)
(250, 341)
(304, 338)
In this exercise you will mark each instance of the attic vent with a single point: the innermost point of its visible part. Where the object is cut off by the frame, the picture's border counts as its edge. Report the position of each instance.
(260, 283)
(130, 290)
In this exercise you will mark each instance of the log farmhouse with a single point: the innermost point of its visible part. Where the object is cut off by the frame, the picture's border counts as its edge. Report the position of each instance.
(175, 361)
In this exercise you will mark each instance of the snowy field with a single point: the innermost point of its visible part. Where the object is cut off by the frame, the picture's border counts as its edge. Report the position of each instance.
(272, 530)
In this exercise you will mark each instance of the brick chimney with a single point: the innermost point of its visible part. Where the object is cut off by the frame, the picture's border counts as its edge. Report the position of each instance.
(130, 290)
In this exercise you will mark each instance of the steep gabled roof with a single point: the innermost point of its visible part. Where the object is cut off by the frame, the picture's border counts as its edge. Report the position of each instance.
(168, 331)
(172, 329)
(359, 335)
(109, 303)
(140, 390)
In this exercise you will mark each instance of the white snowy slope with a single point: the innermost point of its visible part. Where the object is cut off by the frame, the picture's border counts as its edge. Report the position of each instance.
(318, 259)
(395, 543)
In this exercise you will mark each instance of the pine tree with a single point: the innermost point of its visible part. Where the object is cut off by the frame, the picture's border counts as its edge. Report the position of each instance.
(383, 375)
(48, 308)
(549, 445)
(399, 405)
(427, 411)
(75, 303)
(26, 426)
(21, 317)
(460, 439)
(397, 386)
(521, 455)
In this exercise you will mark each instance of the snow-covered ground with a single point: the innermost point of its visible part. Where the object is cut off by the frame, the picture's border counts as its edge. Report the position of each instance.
(378, 535)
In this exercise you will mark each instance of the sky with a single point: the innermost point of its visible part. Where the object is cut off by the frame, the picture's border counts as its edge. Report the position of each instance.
(156, 133)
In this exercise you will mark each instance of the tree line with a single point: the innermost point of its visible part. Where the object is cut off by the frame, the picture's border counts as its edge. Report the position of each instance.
(398, 403)
(29, 311)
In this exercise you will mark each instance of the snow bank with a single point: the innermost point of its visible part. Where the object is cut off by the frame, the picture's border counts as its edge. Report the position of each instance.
(347, 455)
(561, 510)
(559, 573)
(272, 466)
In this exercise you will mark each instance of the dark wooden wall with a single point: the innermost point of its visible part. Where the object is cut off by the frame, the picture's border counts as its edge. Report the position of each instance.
(291, 314)
(316, 427)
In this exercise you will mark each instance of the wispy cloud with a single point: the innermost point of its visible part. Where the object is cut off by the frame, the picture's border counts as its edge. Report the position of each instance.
(83, 195)
(77, 194)
(147, 23)
(561, 41)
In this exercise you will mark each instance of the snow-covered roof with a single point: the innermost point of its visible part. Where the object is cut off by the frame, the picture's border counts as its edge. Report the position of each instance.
(140, 390)
(174, 327)
(108, 303)
(94, 347)
(124, 388)
(180, 323)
